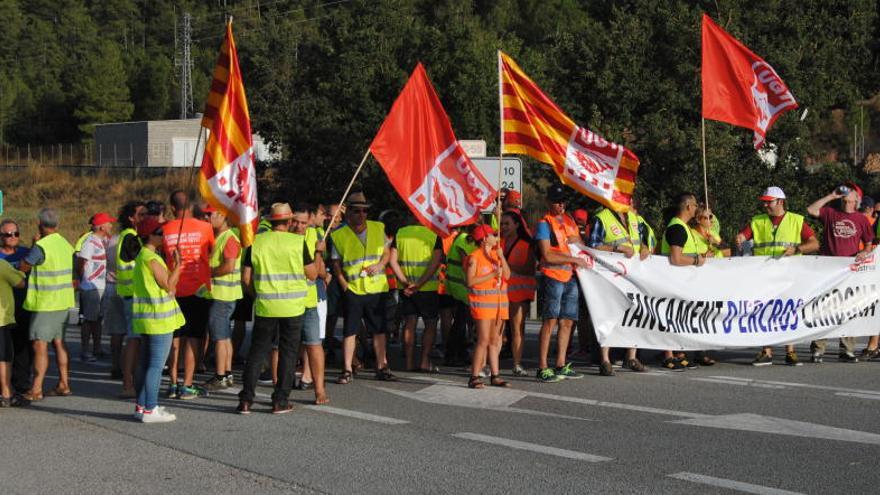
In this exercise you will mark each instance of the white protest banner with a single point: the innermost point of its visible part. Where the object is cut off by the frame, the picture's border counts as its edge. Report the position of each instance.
(728, 302)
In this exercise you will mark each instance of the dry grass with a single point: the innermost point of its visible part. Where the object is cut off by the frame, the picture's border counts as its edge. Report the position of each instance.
(77, 194)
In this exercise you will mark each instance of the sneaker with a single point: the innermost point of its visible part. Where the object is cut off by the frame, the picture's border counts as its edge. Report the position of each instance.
(764, 359)
(229, 379)
(265, 378)
(869, 354)
(672, 364)
(568, 373)
(688, 365)
(547, 375)
(216, 383)
(847, 357)
(138, 413)
(244, 407)
(157, 415)
(190, 392)
(634, 365)
(282, 409)
(606, 368)
(173, 391)
(518, 370)
(791, 359)
(5, 402)
(816, 358)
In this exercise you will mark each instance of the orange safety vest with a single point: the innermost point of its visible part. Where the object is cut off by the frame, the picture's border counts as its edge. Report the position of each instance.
(441, 272)
(561, 232)
(520, 287)
(488, 300)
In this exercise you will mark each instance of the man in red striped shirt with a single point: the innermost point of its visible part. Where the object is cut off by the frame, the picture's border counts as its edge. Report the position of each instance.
(91, 267)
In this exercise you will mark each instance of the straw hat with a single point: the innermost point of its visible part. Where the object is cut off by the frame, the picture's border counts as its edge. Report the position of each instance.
(357, 200)
(280, 211)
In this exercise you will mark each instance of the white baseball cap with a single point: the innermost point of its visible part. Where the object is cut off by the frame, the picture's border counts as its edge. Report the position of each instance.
(772, 193)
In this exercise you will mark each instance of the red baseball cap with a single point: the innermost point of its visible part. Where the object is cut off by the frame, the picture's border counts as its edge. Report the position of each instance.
(101, 219)
(209, 209)
(481, 231)
(581, 215)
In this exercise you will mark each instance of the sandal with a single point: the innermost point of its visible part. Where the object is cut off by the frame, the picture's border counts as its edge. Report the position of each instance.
(59, 392)
(345, 378)
(32, 396)
(384, 375)
(496, 381)
(475, 382)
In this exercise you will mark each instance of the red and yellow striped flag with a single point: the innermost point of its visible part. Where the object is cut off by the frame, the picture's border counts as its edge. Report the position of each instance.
(228, 179)
(533, 125)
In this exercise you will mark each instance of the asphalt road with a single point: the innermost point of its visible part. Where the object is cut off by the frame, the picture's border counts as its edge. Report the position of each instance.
(730, 428)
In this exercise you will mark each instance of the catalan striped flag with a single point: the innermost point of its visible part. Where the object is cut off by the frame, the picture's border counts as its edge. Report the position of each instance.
(227, 179)
(533, 125)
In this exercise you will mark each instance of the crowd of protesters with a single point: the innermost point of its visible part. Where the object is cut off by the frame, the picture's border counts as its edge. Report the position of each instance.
(179, 291)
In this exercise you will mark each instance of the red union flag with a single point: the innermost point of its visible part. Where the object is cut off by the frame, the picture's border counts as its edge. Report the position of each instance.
(227, 179)
(425, 163)
(739, 87)
(533, 125)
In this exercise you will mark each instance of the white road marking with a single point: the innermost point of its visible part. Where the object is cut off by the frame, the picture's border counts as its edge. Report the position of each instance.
(532, 447)
(730, 484)
(779, 426)
(799, 385)
(617, 405)
(858, 395)
(357, 415)
(489, 398)
(738, 382)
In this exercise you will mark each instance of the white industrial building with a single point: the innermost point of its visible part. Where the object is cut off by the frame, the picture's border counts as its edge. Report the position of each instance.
(157, 143)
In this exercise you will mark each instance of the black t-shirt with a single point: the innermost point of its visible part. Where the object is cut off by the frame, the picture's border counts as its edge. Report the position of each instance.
(246, 258)
(676, 235)
(131, 246)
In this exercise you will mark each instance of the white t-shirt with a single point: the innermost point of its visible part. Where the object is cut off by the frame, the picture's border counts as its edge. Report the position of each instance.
(94, 251)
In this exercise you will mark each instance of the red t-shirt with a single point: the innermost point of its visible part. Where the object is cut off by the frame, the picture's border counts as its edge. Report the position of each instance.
(806, 230)
(844, 231)
(196, 242)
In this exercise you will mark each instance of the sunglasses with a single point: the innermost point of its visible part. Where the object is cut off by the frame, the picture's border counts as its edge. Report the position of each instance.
(158, 232)
(9, 234)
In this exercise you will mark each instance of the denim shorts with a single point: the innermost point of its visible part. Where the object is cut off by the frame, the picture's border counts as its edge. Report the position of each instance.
(560, 299)
(128, 311)
(311, 333)
(219, 318)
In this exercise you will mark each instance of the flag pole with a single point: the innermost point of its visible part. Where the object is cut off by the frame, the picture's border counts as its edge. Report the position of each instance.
(501, 138)
(705, 175)
(347, 190)
(189, 186)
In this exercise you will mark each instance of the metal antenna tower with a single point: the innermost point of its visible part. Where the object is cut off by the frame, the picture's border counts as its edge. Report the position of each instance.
(184, 63)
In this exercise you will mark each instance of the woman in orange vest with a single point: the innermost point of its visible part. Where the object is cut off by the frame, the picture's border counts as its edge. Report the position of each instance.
(520, 256)
(487, 274)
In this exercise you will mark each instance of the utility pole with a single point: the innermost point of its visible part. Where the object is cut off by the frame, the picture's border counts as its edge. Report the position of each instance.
(184, 63)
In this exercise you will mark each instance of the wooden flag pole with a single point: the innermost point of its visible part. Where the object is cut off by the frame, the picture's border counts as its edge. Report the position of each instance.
(501, 139)
(705, 174)
(347, 190)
